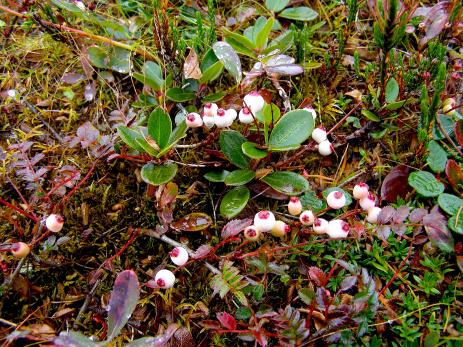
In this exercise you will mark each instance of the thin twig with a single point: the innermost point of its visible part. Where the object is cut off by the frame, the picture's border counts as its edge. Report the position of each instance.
(88, 298)
(37, 113)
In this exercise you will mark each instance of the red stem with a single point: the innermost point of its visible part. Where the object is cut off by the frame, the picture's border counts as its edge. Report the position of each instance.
(17, 209)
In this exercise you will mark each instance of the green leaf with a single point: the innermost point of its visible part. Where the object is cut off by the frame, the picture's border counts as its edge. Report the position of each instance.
(268, 115)
(158, 174)
(276, 5)
(234, 201)
(160, 127)
(337, 189)
(151, 76)
(310, 201)
(212, 72)
(456, 224)
(395, 105)
(148, 148)
(130, 137)
(178, 133)
(251, 150)
(450, 203)
(293, 128)
(239, 177)
(243, 313)
(238, 47)
(392, 90)
(179, 95)
(287, 182)
(437, 157)
(115, 58)
(227, 55)
(216, 176)
(370, 115)
(425, 184)
(230, 145)
(241, 39)
(299, 13)
(124, 299)
(262, 35)
(214, 97)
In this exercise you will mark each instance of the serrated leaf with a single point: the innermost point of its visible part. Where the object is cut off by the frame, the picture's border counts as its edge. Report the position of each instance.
(451, 204)
(234, 227)
(158, 174)
(230, 145)
(286, 182)
(239, 177)
(160, 127)
(124, 299)
(292, 129)
(425, 184)
(227, 320)
(437, 157)
(227, 55)
(251, 150)
(234, 201)
(310, 201)
(392, 90)
(299, 13)
(437, 230)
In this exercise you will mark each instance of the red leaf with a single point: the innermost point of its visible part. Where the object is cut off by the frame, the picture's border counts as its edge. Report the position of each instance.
(227, 320)
(202, 251)
(235, 226)
(193, 222)
(459, 132)
(396, 184)
(435, 21)
(317, 275)
(454, 173)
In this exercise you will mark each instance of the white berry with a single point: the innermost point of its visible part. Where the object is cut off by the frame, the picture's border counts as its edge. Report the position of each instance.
(360, 191)
(164, 279)
(231, 113)
(20, 249)
(325, 148)
(179, 256)
(210, 109)
(367, 202)
(336, 200)
(280, 229)
(222, 120)
(294, 206)
(264, 221)
(245, 116)
(320, 225)
(193, 120)
(307, 217)
(337, 228)
(319, 134)
(54, 223)
(372, 216)
(254, 101)
(251, 233)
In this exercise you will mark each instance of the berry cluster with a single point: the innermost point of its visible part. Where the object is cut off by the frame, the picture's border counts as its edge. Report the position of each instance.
(264, 221)
(165, 278)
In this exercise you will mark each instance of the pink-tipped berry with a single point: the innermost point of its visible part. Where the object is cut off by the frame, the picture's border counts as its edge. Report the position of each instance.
(325, 148)
(54, 223)
(251, 233)
(337, 228)
(280, 229)
(264, 221)
(179, 256)
(193, 120)
(320, 225)
(360, 191)
(319, 135)
(221, 119)
(210, 109)
(164, 279)
(336, 200)
(254, 101)
(245, 116)
(367, 202)
(307, 217)
(294, 206)
(20, 249)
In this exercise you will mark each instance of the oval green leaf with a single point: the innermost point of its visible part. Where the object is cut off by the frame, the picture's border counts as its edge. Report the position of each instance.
(230, 145)
(130, 137)
(239, 177)
(450, 203)
(276, 5)
(216, 176)
(227, 55)
(287, 182)
(160, 127)
(392, 90)
(425, 184)
(212, 72)
(234, 201)
(158, 174)
(179, 95)
(251, 150)
(292, 129)
(437, 157)
(299, 13)
(456, 224)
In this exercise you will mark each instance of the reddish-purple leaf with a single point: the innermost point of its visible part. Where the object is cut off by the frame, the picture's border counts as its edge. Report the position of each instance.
(401, 214)
(396, 184)
(460, 262)
(72, 78)
(399, 228)
(202, 251)
(386, 214)
(317, 275)
(90, 91)
(384, 231)
(458, 126)
(435, 21)
(454, 173)
(227, 320)
(417, 215)
(193, 222)
(435, 225)
(235, 226)
(348, 282)
(169, 194)
(124, 299)
(260, 337)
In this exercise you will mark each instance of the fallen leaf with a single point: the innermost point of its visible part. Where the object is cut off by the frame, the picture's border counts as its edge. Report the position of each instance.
(191, 66)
